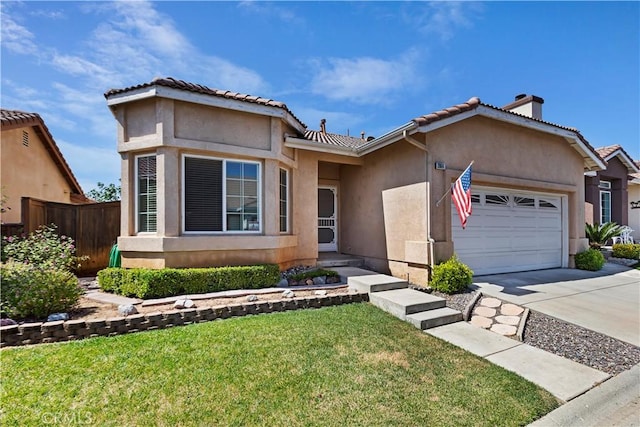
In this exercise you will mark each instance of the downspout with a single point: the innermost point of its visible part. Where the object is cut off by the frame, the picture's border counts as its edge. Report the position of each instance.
(423, 147)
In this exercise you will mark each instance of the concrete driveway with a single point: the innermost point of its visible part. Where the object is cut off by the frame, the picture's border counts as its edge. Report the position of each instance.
(606, 301)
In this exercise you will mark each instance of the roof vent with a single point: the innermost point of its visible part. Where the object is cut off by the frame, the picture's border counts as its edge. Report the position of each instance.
(362, 135)
(323, 126)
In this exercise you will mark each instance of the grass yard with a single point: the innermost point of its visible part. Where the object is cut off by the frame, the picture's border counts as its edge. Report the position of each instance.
(335, 366)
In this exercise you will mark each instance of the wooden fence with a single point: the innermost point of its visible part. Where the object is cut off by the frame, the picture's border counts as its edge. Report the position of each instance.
(94, 227)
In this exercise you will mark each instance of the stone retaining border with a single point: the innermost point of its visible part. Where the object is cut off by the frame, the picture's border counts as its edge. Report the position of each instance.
(71, 330)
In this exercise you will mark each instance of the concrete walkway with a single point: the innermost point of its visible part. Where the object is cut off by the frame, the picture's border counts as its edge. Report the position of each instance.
(605, 301)
(563, 378)
(614, 403)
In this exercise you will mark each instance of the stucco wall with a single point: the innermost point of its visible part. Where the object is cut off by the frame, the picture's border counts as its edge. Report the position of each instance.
(212, 124)
(383, 205)
(384, 200)
(28, 172)
(181, 129)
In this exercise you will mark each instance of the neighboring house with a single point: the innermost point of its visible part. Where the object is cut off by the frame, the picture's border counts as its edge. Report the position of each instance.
(607, 191)
(32, 165)
(634, 203)
(213, 177)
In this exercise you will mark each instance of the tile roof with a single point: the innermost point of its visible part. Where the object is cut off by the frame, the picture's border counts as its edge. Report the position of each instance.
(607, 153)
(608, 150)
(471, 104)
(16, 118)
(334, 139)
(170, 82)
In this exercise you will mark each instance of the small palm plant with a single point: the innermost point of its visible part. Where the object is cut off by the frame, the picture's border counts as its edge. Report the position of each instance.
(599, 234)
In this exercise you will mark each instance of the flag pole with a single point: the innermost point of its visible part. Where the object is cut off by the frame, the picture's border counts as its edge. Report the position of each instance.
(449, 192)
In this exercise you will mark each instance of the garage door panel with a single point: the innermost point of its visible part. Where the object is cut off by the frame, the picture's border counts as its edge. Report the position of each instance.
(523, 233)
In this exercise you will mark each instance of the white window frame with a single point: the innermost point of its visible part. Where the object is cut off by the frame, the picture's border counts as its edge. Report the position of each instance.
(137, 193)
(287, 201)
(602, 192)
(224, 196)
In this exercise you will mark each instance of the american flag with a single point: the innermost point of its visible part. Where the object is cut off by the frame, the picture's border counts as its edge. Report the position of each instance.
(461, 195)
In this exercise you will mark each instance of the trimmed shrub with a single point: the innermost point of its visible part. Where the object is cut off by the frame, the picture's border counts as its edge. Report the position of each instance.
(148, 283)
(451, 276)
(29, 291)
(627, 250)
(314, 273)
(591, 259)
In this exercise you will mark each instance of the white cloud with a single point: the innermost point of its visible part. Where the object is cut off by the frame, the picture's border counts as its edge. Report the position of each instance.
(16, 37)
(91, 164)
(444, 18)
(270, 10)
(364, 80)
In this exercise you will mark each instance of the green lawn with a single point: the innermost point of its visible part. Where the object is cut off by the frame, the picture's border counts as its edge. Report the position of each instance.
(335, 366)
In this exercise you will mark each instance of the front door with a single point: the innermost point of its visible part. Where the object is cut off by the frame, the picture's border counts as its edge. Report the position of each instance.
(327, 219)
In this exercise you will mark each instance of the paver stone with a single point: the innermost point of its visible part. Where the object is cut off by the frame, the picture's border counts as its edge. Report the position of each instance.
(480, 321)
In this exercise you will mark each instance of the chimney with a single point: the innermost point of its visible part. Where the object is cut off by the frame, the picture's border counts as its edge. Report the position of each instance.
(362, 135)
(323, 127)
(527, 105)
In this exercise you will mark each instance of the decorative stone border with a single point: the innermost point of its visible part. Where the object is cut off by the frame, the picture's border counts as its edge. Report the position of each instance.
(71, 330)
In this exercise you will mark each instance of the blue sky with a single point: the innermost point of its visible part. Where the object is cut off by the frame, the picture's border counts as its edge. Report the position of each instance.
(364, 66)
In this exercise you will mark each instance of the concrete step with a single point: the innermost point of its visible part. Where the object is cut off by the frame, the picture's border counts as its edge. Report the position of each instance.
(340, 262)
(402, 302)
(432, 318)
(376, 283)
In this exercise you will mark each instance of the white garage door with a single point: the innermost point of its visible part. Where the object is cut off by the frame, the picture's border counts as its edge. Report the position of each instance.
(510, 231)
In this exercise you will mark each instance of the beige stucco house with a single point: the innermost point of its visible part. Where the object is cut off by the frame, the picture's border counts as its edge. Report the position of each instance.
(32, 165)
(212, 177)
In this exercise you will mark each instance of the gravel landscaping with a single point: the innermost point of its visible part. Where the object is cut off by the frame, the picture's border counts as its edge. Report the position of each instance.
(565, 339)
(579, 344)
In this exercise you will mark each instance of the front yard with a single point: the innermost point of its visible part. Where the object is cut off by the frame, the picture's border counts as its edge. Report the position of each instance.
(345, 365)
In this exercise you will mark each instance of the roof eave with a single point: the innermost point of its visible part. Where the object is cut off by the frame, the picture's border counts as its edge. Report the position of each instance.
(203, 99)
(387, 139)
(305, 144)
(631, 166)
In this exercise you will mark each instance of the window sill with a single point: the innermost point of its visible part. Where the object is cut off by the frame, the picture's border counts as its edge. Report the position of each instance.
(217, 242)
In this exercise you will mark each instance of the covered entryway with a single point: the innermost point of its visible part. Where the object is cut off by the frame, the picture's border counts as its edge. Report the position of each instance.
(511, 231)
(327, 219)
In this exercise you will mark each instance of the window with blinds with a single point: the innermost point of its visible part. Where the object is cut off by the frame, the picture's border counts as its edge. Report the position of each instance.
(146, 200)
(221, 195)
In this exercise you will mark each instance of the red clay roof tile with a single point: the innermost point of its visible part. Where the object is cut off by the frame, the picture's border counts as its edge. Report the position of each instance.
(197, 88)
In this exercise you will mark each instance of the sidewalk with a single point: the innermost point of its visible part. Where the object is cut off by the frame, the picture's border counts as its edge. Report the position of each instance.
(614, 403)
(563, 378)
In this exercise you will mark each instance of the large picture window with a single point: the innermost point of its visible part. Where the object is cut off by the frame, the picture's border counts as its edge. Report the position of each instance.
(146, 194)
(221, 195)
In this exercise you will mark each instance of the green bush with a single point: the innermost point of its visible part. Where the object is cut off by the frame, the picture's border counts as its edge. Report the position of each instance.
(600, 234)
(314, 273)
(451, 276)
(148, 283)
(591, 259)
(627, 250)
(44, 248)
(29, 291)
